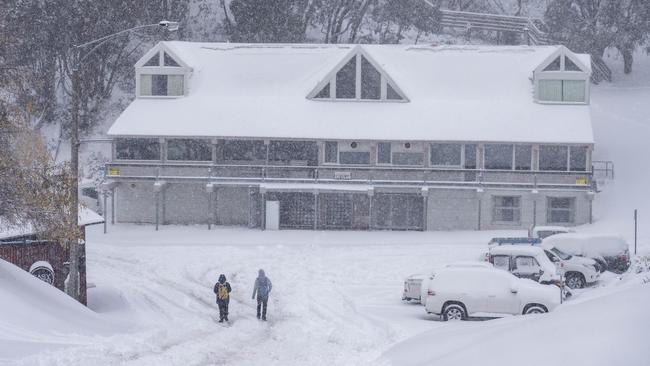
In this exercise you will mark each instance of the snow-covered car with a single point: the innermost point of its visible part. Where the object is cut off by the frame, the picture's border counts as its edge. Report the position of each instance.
(541, 232)
(578, 271)
(525, 261)
(415, 285)
(460, 293)
(610, 251)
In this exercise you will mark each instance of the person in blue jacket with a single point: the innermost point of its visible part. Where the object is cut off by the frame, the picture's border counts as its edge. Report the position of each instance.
(262, 288)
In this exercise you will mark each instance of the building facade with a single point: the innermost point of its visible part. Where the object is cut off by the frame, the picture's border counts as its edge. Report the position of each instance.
(362, 137)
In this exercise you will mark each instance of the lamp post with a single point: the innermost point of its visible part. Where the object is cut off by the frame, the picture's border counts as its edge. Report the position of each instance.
(74, 245)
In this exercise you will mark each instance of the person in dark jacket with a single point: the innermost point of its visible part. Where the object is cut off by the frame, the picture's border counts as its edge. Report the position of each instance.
(262, 288)
(222, 290)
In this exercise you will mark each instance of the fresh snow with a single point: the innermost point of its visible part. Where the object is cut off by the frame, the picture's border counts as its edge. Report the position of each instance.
(455, 93)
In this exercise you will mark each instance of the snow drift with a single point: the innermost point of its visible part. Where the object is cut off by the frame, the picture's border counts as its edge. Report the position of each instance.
(607, 330)
(37, 316)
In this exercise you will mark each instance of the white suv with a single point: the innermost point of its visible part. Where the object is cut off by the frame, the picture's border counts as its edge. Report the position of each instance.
(524, 261)
(578, 271)
(459, 293)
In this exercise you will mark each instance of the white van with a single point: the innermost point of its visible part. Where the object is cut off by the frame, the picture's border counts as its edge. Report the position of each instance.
(525, 261)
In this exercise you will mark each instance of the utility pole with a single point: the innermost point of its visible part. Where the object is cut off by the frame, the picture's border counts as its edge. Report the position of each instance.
(75, 244)
(635, 229)
(73, 279)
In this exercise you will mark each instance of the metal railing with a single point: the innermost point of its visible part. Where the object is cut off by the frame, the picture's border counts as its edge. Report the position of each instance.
(603, 169)
(527, 27)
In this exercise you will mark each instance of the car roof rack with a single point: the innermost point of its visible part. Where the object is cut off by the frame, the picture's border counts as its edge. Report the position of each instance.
(515, 241)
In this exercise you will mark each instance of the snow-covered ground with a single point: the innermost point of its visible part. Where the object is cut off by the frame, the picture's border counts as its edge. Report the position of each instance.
(336, 297)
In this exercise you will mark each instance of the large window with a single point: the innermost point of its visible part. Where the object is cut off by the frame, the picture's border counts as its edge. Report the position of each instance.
(346, 80)
(507, 209)
(498, 156)
(523, 157)
(578, 158)
(354, 153)
(189, 150)
(244, 150)
(560, 210)
(294, 152)
(369, 84)
(470, 156)
(331, 152)
(562, 90)
(137, 149)
(446, 155)
(384, 153)
(161, 85)
(553, 157)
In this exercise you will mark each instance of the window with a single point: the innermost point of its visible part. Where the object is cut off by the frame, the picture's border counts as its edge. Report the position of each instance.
(553, 157)
(507, 209)
(498, 156)
(446, 154)
(189, 150)
(578, 158)
(523, 157)
(501, 262)
(562, 90)
(153, 61)
(346, 80)
(331, 152)
(554, 66)
(570, 65)
(169, 61)
(354, 153)
(408, 158)
(244, 150)
(470, 156)
(137, 149)
(324, 93)
(369, 84)
(161, 85)
(383, 153)
(560, 210)
(526, 264)
(370, 80)
(294, 152)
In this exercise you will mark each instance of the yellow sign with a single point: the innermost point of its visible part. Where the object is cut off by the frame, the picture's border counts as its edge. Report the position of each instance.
(113, 172)
(581, 180)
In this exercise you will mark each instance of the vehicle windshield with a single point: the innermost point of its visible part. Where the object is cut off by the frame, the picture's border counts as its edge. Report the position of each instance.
(561, 254)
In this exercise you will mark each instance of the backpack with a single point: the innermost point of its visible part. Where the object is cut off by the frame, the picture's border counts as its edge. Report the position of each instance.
(263, 287)
(222, 292)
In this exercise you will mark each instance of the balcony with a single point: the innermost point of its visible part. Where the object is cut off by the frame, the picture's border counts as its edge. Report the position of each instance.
(375, 175)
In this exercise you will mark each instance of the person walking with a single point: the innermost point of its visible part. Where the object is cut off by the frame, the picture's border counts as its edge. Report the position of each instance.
(262, 288)
(222, 290)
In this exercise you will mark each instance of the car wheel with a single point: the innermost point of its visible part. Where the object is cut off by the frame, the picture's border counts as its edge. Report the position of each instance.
(575, 280)
(453, 312)
(535, 309)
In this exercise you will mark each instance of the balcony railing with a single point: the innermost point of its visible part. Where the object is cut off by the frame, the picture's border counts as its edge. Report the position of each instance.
(376, 175)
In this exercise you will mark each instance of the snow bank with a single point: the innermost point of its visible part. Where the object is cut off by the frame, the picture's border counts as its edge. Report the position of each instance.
(37, 316)
(608, 330)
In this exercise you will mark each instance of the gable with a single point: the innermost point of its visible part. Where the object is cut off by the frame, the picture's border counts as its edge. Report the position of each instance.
(357, 77)
(161, 56)
(562, 60)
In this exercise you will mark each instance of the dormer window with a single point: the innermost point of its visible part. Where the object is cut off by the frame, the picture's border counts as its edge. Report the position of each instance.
(161, 85)
(161, 73)
(562, 79)
(358, 78)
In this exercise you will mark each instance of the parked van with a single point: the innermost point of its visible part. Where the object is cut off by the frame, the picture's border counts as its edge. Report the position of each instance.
(525, 261)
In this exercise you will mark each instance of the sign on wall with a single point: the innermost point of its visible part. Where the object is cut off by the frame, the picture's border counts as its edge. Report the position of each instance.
(43, 271)
(342, 175)
(113, 172)
(581, 180)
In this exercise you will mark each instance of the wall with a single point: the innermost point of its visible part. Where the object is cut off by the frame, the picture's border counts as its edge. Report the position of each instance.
(186, 203)
(232, 205)
(452, 209)
(135, 202)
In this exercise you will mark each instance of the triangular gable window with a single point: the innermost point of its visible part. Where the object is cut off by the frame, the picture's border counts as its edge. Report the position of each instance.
(323, 93)
(570, 65)
(358, 79)
(554, 66)
(169, 61)
(153, 61)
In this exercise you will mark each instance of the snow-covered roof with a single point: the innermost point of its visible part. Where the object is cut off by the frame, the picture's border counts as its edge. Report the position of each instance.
(86, 217)
(455, 93)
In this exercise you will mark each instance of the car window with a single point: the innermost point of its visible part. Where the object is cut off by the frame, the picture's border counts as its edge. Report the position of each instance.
(561, 254)
(550, 256)
(525, 264)
(90, 192)
(501, 262)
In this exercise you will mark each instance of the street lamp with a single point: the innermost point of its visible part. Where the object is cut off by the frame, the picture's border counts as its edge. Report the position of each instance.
(73, 282)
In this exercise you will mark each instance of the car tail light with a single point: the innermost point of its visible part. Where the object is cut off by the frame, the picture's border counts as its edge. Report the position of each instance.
(430, 292)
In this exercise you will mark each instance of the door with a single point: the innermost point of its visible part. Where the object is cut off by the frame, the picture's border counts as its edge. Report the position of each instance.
(501, 298)
(272, 215)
